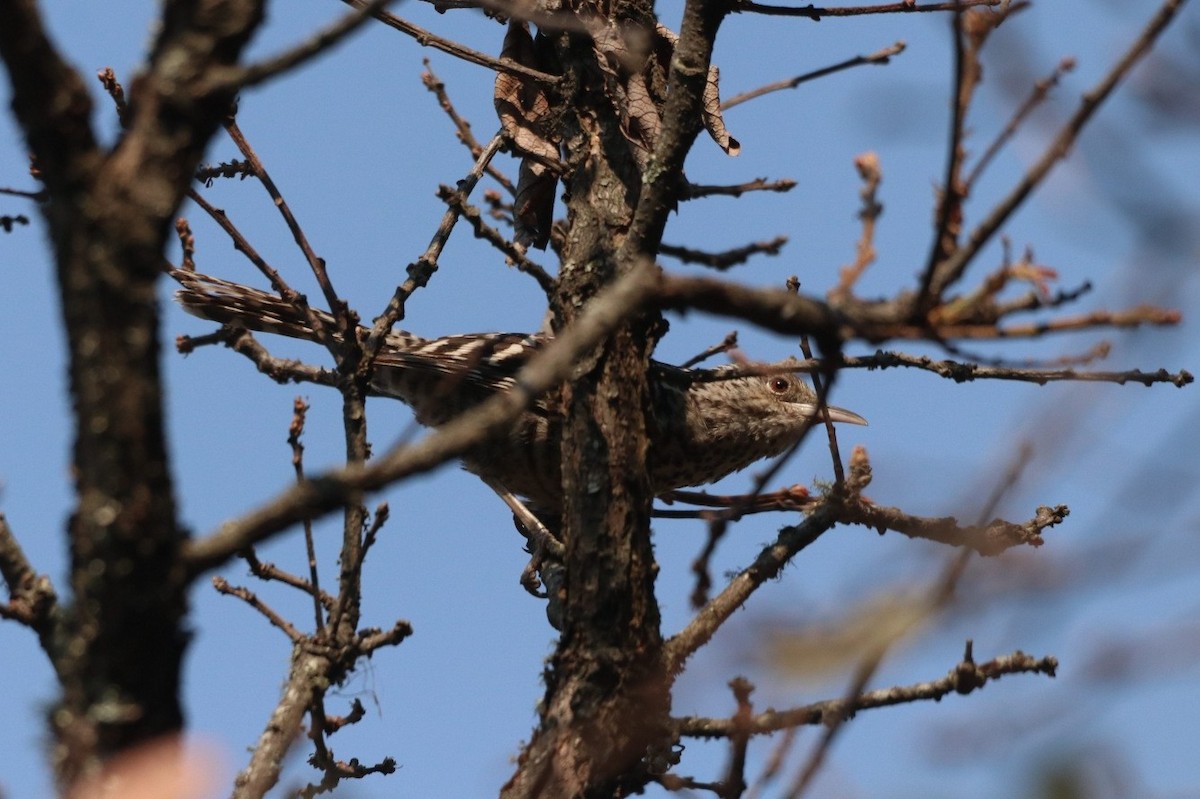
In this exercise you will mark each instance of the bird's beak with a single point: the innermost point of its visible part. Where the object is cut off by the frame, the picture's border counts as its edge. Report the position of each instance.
(842, 415)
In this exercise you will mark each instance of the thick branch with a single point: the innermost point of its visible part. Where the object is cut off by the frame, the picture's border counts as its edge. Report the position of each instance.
(109, 216)
(662, 183)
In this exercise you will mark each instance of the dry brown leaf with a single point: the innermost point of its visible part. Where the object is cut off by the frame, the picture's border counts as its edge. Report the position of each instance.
(524, 111)
(624, 66)
(610, 50)
(643, 122)
(533, 209)
(523, 106)
(666, 36)
(714, 123)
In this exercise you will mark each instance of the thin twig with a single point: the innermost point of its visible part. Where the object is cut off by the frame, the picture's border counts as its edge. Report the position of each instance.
(796, 497)
(315, 263)
(243, 245)
(428, 39)
(295, 441)
(254, 74)
(241, 341)
(269, 572)
(461, 126)
(869, 170)
(816, 14)
(953, 192)
(963, 372)
(965, 677)
(187, 243)
(1041, 90)
(733, 785)
(989, 540)
(726, 344)
(32, 598)
(821, 387)
(513, 252)
(223, 586)
(950, 270)
(382, 514)
(421, 270)
(952, 370)
(38, 196)
(883, 56)
(695, 191)
(116, 92)
(726, 259)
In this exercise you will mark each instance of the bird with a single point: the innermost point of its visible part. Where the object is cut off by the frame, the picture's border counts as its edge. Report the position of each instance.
(703, 424)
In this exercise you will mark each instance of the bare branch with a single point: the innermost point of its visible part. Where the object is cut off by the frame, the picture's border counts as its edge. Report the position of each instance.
(963, 679)
(869, 170)
(1041, 90)
(307, 671)
(782, 312)
(250, 598)
(428, 39)
(766, 566)
(816, 14)
(241, 341)
(881, 57)
(695, 191)
(952, 268)
(269, 572)
(726, 259)
(37, 196)
(991, 539)
(243, 245)
(513, 252)
(725, 345)
(461, 126)
(315, 263)
(32, 598)
(327, 39)
(421, 270)
(962, 372)
(794, 497)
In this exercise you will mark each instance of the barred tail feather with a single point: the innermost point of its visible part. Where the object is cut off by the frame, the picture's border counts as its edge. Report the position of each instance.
(234, 304)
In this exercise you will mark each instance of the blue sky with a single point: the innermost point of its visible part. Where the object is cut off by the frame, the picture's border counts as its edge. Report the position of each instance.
(358, 148)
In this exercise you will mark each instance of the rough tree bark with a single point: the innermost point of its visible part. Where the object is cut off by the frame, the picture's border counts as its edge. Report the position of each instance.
(121, 643)
(606, 723)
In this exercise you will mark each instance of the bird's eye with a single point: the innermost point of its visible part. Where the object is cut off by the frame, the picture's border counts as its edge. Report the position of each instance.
(779, 385)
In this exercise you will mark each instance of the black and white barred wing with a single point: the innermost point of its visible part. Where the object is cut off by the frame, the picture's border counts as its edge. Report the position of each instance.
(442, 377)
(439, 378)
